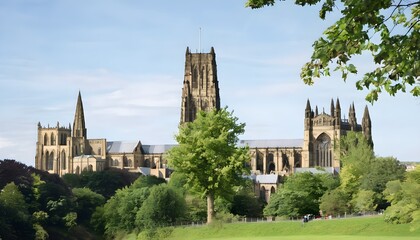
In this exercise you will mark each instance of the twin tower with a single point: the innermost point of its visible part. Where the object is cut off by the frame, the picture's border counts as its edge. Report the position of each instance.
(64, 150)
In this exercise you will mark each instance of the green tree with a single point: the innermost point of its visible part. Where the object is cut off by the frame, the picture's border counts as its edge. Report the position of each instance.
(245, 203)
(15, 222)
(102, 182)
(86, 203)
(208, 156)
(405, 199)
(364, 201)
(119, 212)
(300, 195)
(163, 206)
(334, 202)
(147, 181)
(389, 30)
(381, 171)
(356, 158)
(361, 170)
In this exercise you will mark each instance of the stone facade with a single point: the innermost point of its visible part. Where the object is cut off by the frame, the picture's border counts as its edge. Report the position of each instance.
(201, 88)
(322, 133)
(64, 150)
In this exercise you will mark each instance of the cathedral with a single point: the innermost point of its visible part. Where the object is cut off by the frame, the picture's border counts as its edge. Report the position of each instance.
(67, 149)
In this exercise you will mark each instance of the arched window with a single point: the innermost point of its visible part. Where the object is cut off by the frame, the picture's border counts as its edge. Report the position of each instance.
(45, 139)
(90, 168)
(77, 170)
(63, 138)
(260, 161)
(99, 151)
(285, 161)
(52, 139)
(147, 162)
(125, 162)
(273, 190)
(116, 162)
(271, 165)
(195, 78)
(50, 162)
(262, 194)
(323, 153)
(63, 160)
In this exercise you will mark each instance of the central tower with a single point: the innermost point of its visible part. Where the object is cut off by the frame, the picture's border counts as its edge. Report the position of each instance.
(201, 88)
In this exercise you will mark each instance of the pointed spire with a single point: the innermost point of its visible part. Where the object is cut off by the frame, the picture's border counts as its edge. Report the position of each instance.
(188, 51)
(308, 105)
(366, 113)
(308, 109)
(352, 117)
(212, 51)
(332, 107)
(338, 112)
(367, 126)
(337, 105)
(79, 128)
(316, 110)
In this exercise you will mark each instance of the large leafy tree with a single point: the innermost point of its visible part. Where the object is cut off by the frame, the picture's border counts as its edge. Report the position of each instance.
(362, 171)
(405, 200)
(356, 158)
(334, 202)
(387, 29)
(15, 222)
(86, 203)
(208, 156)
(300, 195)
(119, 212)
(164, 206)
(102, 182)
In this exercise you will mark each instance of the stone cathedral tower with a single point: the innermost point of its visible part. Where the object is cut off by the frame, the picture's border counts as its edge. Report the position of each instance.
(323, 131)
(62, 150)
(201, 88)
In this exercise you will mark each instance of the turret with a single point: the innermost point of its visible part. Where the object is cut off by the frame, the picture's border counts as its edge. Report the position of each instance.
(367, 126)
(352, 117)
(332, 108)
(79, 127)
(338, 112)
(308, 109)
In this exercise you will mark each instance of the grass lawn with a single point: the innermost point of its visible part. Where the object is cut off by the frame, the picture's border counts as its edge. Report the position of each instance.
(371, 228)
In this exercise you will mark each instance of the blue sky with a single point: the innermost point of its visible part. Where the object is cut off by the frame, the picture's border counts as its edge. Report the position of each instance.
(127, 59)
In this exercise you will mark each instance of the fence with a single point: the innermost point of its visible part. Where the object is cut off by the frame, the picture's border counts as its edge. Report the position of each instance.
(236, 219)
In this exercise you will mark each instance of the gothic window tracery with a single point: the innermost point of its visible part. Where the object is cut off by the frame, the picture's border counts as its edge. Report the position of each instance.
(50, 161)
(323, 153)
(63, 160)
(271, 166)
(52, 139)
(260, 162)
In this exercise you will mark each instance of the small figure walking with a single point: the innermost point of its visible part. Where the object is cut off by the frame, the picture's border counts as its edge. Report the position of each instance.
(304, 220)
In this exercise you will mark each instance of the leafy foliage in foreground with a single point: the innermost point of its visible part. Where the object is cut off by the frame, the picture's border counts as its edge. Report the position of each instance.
(387, 29)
